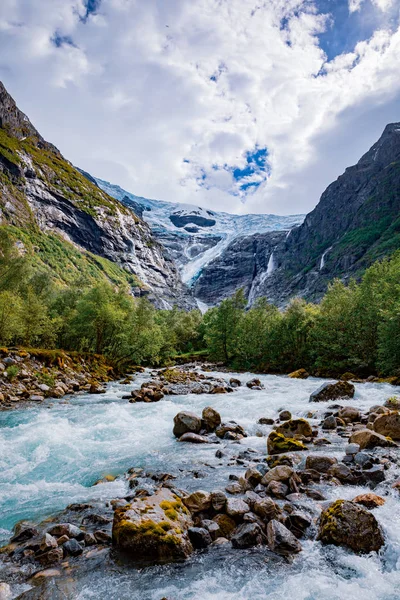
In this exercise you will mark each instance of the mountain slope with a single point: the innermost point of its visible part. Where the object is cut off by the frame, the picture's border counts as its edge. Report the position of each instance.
(58, 212)
(356, 222)
(194, 236)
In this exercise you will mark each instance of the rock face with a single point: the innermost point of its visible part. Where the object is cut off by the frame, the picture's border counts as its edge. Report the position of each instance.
(347, 524)
(154, 528)
(39, 187)
(333, 391)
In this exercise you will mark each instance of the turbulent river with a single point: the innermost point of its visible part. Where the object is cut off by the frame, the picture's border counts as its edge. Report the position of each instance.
(51, 455)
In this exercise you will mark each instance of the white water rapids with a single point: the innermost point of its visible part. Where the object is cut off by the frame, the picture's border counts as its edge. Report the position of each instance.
(51, 456)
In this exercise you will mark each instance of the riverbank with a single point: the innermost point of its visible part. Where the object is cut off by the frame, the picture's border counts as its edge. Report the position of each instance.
(52, 459)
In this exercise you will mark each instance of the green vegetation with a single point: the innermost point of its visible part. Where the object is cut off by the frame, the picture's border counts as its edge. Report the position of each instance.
(355, 328)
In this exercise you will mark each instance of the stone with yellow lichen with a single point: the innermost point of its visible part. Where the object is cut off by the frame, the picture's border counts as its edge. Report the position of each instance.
(278, 444)
(153, 529)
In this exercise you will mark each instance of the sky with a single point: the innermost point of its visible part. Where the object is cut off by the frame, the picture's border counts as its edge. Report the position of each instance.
(236, 105)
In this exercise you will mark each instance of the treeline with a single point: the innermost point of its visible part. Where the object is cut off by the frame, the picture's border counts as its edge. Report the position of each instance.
(36, 311)
(355, 328)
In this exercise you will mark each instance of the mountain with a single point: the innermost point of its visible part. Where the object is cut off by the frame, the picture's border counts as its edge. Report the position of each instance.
(196, 237)
(69, 223)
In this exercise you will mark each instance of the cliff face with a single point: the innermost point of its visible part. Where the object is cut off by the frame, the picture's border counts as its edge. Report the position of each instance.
(44, 194)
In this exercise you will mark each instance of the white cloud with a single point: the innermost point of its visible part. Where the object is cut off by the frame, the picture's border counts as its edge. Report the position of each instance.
(146, 85)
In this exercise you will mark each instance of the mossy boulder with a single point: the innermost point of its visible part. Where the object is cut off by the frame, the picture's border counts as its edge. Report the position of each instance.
(333, 391)
(295, 428)
(388, 425)
(153, 529)
(279, 444)
(348, 524)
(299, 374)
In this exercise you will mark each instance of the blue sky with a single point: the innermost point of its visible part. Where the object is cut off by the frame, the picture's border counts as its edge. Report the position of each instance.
(230, 104)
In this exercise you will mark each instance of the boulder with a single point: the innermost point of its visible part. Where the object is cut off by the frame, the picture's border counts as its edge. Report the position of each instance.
(218, 500)
(349, 414)
(154, 528)
(194, 438)
(72, 531)
(254, 383)
(297, 522)
(285, 415)
(233, 382)
(279, 473)
(198, 501)
(224, 430)
(281, 540)
(320, 463)
(299, 374)
(236, 508)
(266, 509)
(333, 391)
(186, 422)
(341, 472)
(366, 439)
(393, 403)
(226, 525)
(388, 425)
(369, 500)
(295, 428)
(265, 421)
(348, 524)
(199, 537)
(278, 444)
(278, 489)
(253, 476)
(211, 418)
(72, 548)
(329, 423)
(247, 535)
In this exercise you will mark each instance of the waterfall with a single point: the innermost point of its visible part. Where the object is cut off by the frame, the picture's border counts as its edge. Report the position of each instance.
(271, 265)
(322, 263)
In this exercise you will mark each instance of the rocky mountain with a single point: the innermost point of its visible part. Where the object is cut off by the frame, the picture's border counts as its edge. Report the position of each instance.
(198, 239)
(69, 223)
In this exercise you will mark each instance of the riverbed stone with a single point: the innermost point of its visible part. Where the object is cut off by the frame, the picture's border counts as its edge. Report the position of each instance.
(218, 500)
(194, 438)
(295, 428)
(186, 422)
(198, 501)
(281, 540)
(211, 418)
(277, 443)
(254, 383)
(199, 537)
(320, 462)
(329, 423)
(349, 414)
(348, 524)
(297, 522)
(388, 425)
(153, 528)
(72, 531)
(333, 391)
(279, 473)
(369, 500)
(285, 415)
(247, 535)
(226, 525)
(236, 508)
(266, 509)
(366, 439)
(299, 374)
(278, 489)
(72, 548)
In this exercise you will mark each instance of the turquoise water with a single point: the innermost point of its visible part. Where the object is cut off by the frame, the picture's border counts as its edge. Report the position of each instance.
(51, 455)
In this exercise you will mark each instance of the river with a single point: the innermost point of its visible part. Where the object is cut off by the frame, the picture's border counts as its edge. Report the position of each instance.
(50, 456)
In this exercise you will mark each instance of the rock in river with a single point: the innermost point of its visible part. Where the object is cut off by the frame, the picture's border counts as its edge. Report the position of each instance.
(281, 540)
(333, 391)
(278, 444)
(186, 422)
(388, 425)
(346, 523)
(367, 439)
(295, 428)
(153, 529)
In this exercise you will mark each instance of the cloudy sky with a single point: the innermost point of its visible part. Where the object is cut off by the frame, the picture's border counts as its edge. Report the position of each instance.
(237, 105)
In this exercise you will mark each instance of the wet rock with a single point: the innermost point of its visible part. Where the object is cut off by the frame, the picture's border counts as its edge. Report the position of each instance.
(348, 524)
(363, 460)
(42, 576)
(211, 418)
(349, 414)
(218, 500)
(5, 591)
(278, 489)
(102, 537)
(53, 556)
(194, 438)
(233, 382)
(234, 488)
(199, 537)
(198, 501)
(295, 428)
(298, 522)
(393, 403)
(236, 508)
(226, 525)
(72, 548)
(281, 540)
(225, 429)
(285, 415)
(333, 391)
(48, 542)
(329, 423)
(89, 539)
(186, 422)
(24, 533)
(341, 472)
(374, 475)
(265, 421)
(320, 463)
(299, 374)
(254, 383)
(279, 473)
(248, 535)
(66, 529)
(266, 509)
(212, 528)
(352, 449)
(366, 439)
(388, 425)
(278, 444)
(369, 500)
(153, 528)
